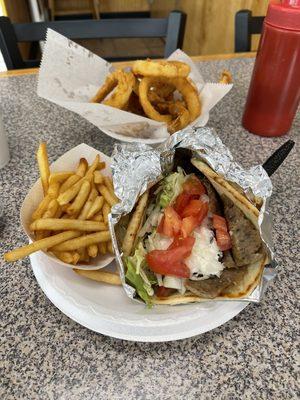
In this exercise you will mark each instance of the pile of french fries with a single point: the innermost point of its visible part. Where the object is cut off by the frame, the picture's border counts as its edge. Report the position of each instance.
(71, 221)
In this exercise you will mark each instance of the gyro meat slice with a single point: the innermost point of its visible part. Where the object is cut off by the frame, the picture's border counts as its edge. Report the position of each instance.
(246, 242)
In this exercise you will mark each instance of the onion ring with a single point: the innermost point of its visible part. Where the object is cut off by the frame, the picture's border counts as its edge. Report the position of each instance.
(188, 91)
(178, 110)
(163, 90)
(189, 94)
(182, 115)
(168, 69)
(144, 86)
(134, 105)
(225, 77)
(122, 82)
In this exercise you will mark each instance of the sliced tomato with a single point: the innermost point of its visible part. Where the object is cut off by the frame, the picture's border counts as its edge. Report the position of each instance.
(170, 262)
(175, 243)
(203, 212)
(188, 242)
(223, 240)
(193, 186)
(219, 223)
(193, 208)
(164, 292)
(172, 221)
(191, 222)
(188, 225)
(178, 269)
(182, 201)
(222, 235)
(160, 228)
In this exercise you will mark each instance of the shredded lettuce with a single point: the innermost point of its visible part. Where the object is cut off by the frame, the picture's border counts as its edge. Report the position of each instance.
(136, 281)
(138, 275)
(138, 258)
(171, 187)
(151, 222)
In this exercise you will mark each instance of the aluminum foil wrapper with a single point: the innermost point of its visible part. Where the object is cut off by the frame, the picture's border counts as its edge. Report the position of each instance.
(137, 167)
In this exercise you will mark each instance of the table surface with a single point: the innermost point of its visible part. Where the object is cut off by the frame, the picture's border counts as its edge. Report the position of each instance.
(45, 355)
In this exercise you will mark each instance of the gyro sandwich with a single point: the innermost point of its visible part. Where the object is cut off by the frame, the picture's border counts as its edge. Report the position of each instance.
(193, 236)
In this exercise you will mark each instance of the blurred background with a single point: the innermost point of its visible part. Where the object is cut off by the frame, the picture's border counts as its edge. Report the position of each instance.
(209, 25)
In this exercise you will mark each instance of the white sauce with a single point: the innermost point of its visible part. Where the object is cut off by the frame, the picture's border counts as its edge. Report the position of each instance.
(204, 259)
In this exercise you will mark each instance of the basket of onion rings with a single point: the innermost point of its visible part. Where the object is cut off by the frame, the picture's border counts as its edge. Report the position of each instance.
(145, 101)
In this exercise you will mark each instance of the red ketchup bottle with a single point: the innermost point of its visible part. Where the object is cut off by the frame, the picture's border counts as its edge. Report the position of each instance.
(274, 92)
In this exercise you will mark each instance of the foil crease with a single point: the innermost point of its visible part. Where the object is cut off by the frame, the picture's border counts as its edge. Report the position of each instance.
(137, 167)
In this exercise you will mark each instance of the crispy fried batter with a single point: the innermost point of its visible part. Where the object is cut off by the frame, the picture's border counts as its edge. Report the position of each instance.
(123, 83)
(169, 69)
(151, 90)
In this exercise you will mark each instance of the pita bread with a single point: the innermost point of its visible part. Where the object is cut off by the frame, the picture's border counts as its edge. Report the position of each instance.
(135, 224)
(243, 289)
(252, 273)
(224, 187)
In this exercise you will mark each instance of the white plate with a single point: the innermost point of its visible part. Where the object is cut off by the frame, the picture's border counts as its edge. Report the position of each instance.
(106, 309)
(67, 162)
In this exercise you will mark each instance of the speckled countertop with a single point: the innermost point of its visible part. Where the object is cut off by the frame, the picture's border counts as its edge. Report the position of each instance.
(45, 355)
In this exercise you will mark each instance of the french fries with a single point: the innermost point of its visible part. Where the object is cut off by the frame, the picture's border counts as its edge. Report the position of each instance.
(102, 248)
(53, 190)
(42, 244)
(69, 182)
(59, 176)
(110, 247)
(110, 198)
(69, 194)
(80, 199)
(49, 213)
(92, 250)
(69, 257)
(105, 212)
(96, 207)
(42, 207)
(83, 241)
(98, 217)
(88, 204)
(100, 276)
(98, 177)
(101, 165)
(56, 224)
(109, 185)
(43, 163)
(71, 221)
(82, 167)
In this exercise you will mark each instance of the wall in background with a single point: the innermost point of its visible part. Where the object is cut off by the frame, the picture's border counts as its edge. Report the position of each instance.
(210, 23)
(104, 5)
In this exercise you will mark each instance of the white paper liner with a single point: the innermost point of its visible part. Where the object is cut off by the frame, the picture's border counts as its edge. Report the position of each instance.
(70, 75)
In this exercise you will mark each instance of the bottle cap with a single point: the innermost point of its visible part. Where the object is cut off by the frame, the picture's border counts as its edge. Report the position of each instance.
(284, 14)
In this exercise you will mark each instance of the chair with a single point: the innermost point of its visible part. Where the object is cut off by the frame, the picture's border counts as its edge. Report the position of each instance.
(171, 28)
(245, 26)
